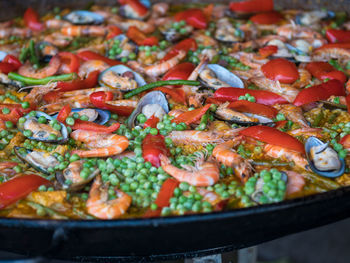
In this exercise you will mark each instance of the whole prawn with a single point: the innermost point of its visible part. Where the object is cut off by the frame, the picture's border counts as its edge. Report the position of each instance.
(51, 69)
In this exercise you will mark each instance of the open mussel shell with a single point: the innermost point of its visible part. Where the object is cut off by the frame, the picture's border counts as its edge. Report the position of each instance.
(75, 185)
(119, 71)
(83, 17)
(222, 75)
(313, 142)
(40, 161)
(153, 97)
(40, 134)
(95, 115)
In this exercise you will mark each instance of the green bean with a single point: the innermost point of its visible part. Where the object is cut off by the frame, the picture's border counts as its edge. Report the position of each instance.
(43, 81)
(49, 211)
(204, 120)
(159, 84)
(318, 118)
(33, 57)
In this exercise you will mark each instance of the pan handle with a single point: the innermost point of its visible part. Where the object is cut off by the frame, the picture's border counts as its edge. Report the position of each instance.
(58, 237)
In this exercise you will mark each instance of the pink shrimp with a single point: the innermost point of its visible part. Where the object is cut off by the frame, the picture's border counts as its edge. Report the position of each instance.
(202, 174)
(209, 196)
(101, 145)
(316, 132)
(98, 204)
(58, 39)
(194, 137)
(293, 113)
(296, 182)
(275, 151)
(250, 59)
(291, 31)
(163, 67)
(56, 23)
(325, 54)
(75, 31)
(225, 154)
(304, 79)
(15, 31)
(51, 69)
(91, 65)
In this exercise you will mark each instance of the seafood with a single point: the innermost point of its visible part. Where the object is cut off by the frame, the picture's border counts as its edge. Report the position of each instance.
(83, 17)
(29, 71)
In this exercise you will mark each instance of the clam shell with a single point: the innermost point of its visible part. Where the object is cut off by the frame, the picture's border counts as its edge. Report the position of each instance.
(313, 141)
(153, 97)
(84, 17)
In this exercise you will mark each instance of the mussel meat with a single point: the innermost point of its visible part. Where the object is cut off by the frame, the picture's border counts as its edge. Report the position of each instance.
(95, 115)
(215, 76)
(83, 17)
(227, 33)
(121, 77)
(322, 159)
(41, 130)
(70, 178)
(40, 161)
(153, 103)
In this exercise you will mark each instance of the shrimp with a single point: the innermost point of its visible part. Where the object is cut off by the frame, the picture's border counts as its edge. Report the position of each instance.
(36, 94)
(325, 54)
(229, 157)
(101, 145)
(58, 39)
(291, 31)
(74, 102)
(250, 59)
(75, 31)
(15, 31)
(316, 132)
(176, 112)
(295, 184)
(51, 69)
(293, 113)
(163, 67)
(209, 196)
(287, 92)
(128, 103)
(203, 39)
(98, 204)
(159, 9)
(92, 65)
(124, 24)
(56, 23)
(275, 151)
(194, 137)
(202, 174)
(304, 79)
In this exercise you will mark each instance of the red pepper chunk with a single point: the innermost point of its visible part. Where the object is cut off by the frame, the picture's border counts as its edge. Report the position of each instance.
(252, 6)
(19, 187)
(16, 106)
(320, 92)
(324, 70)
(151, 122)
(91, 126)
(180, 71)
(99, 99)
(281, 69)
(252, 107)
(70, 62)
(31, 20)
(192, 116)
(13, 116)
(335, 45)
(177, 94)
(338, 35)
(90, 55)
(185, 45)
(113, 31)
(166, 192)
(194, 17)
(268, 51)
(261, 96)
(140, 38)
(152, 147)
(88, 83)
(273, 136)
(13, 61)
(348, 102)
(345, 141)
(136, 5)
(268, 18)
(64, 113)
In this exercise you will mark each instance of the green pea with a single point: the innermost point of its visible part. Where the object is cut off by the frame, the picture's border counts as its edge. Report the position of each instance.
(154, 131)
(57, 126)
(342, 153)
(52, 137)
(8, 124)
(74, 157)
(165, 211)
(27, 133)
(6, 110)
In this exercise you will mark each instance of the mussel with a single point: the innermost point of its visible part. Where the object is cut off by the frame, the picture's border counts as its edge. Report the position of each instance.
(45, 50)
(171, 34)
(227, 33)
(41, 130)
(121, 77)
(322, 159)
(96, 115)
(40, 161)
(313, 17)
(83, 17)
(129, 12)
(153, 103)
(126, 45)
(70, 179)
(215, 76)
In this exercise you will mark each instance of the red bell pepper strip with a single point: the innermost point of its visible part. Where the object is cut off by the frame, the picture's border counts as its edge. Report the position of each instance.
(19, 187)
(252, 6)
(7, 67)
(186, 45)
(151, 122)
(194, 17)
(13, 61)
(180, 71)
(136, 5)
(324, 70)
(166, 192)
(90, 55)
(31, 20)
(13, 116)
(192, 116)
(16, 106)
(268, 18)
(91, 126)
(208, 11)
(320, 92)
(152, 147)
(335, 45)
(52, 96)
(87, 83)
(338, 35)
(113, 31)
(252, 107)
(177, 94)
(345, 141)
(347, 99)
(70, 62)
(64, 113)
(268, 51)
(99, 99)
(140, 38)
(281, 69)
(273, 136)
(261, 96)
